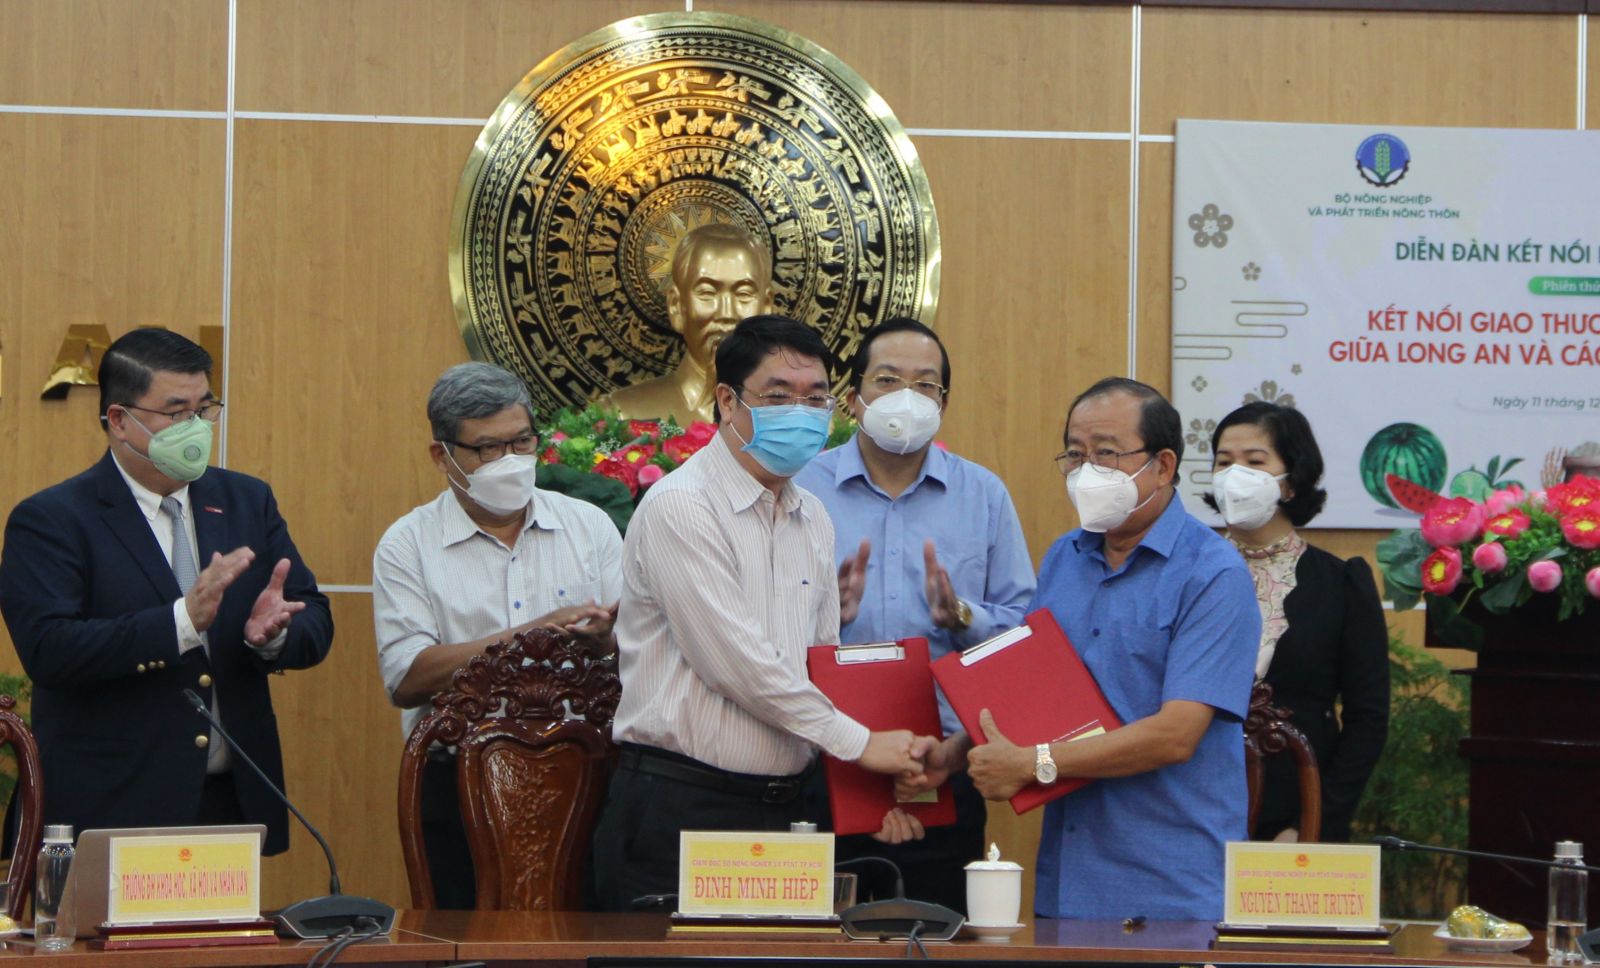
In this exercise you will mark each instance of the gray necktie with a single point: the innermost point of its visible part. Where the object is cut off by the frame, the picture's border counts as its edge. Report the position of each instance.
(183, 563)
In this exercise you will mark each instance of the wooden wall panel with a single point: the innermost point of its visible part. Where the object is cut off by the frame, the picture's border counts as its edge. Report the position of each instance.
(113, 53)
(341, 323)
(1592, 83)
(434, 58)
(1017, 66)
(1489, 70)
(341, 752)
(1031, 232)
(105, 220)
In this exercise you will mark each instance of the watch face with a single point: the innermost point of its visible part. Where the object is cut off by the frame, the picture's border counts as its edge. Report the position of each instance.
(1045, 772)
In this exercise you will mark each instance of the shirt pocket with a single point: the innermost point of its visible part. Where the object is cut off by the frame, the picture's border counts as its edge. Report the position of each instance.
(1141, 667)
(564, 594)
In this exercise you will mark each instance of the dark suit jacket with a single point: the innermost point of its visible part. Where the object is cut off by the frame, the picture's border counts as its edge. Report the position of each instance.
(88, 597)
(1336, 648)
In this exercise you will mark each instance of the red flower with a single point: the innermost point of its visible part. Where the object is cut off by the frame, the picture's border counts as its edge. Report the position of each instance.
(550, 456)
(643, 428)
(1452, 521)
(1441, 571)
(1581, 526)
(649, 474)
(635, 454)
(1508, 523)
(679, 448)
(1576, 494)
(700, 432)
(619, 470)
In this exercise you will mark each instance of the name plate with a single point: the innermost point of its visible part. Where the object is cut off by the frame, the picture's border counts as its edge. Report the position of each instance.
(1329, 886)
(755, 873)
(189, 877)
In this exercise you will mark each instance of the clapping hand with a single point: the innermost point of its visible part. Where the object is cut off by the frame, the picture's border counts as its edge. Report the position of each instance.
(272, 612)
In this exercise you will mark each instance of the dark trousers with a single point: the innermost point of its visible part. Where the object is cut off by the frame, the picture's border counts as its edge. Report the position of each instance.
(219, 802)
(656, 794)
(934, 867)
(444, 836)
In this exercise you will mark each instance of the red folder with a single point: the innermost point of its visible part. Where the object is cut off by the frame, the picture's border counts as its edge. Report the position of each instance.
(884, 685)
(1038, 690)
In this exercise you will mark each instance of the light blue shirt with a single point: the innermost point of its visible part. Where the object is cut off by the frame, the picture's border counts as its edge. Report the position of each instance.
(967, 512)
(1178, 620)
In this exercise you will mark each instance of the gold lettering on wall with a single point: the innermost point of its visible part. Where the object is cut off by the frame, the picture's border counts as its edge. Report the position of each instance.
(78, 360)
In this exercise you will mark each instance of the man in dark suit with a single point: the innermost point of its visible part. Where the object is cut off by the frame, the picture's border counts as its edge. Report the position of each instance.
(146, 575)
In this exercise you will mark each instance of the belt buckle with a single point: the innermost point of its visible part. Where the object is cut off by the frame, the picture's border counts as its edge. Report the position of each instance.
(779, 791)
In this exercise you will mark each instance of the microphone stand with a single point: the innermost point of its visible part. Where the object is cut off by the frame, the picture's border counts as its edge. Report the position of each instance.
(317, 917)
(1400, 846)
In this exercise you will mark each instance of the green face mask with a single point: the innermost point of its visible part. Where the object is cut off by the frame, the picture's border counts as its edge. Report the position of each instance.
(180, 451)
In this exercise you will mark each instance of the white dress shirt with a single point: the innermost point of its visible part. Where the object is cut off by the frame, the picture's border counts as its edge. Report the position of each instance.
(437, 578)
(725, 587)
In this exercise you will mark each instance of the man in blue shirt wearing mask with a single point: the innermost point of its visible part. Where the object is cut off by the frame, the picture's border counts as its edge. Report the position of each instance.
(928, 545)
(1163, 612)
(728, 578)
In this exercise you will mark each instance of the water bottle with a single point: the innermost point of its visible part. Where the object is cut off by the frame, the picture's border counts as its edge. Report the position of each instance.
(1569, 905)
(52, 928)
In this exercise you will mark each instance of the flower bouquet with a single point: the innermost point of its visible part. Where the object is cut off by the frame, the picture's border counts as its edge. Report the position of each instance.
(1512, 549)
(597, 456)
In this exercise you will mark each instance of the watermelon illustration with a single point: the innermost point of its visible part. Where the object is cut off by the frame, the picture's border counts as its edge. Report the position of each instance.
(1410, 452)
(1412, 497)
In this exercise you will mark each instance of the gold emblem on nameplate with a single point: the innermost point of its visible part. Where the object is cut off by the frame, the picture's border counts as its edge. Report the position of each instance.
(614, 148)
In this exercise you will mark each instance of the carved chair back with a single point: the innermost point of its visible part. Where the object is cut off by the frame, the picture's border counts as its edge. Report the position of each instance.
(29, 796)
(1268, 732)
(531, 723)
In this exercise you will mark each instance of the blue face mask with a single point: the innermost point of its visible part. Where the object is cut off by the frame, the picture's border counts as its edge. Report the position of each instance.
(784, 439)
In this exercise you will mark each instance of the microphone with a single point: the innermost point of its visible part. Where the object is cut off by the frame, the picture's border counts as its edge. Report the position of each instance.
(317, 917)
(897, 917)
(1400, 845)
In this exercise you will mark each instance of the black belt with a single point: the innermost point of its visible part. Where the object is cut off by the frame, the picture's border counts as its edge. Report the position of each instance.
(750, 786)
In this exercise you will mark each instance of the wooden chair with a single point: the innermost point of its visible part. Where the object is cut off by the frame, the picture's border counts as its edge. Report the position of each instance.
(1268, 732)
(531, 778)
(29, 796)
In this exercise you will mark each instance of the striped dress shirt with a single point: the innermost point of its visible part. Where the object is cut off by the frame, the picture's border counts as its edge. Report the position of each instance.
(725, 587)
(437, 578)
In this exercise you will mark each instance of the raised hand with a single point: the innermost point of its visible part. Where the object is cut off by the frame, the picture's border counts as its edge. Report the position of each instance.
(936, 585)
(271, 612)
(205, 595)
(853, 582)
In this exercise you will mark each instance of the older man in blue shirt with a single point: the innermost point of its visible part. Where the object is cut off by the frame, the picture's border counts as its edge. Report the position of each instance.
(1164, 614)
(928, 545)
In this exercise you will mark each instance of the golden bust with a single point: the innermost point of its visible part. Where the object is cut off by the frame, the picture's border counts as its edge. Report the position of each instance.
(720, 275)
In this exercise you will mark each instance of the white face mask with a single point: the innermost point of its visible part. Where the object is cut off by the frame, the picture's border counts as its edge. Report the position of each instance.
(1104, 496)
(1247, 497)
(503, 486)
(901, 422)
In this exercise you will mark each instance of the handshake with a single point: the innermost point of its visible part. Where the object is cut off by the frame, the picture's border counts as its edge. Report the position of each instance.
(918, 764)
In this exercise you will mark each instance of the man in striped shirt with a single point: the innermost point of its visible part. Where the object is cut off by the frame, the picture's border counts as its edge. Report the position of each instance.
(728, 578)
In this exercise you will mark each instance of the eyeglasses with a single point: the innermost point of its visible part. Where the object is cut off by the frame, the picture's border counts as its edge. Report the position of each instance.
(210, 412)
(886, 383)
(1070, 460)
(777, 398)
(496, 449)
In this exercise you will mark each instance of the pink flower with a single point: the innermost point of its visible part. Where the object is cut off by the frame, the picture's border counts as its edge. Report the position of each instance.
(649, 474)
(1544, 576)
(1501, 501)
(1508, 523)
(1452, 521)
(1592, 580)
(1489, 557)
(557, 437)
(1441, 572)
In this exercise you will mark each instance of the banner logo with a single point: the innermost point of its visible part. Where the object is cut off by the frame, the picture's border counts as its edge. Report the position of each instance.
(1383, 160)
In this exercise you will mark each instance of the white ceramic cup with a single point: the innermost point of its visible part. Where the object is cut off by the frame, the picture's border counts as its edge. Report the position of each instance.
(994, 893)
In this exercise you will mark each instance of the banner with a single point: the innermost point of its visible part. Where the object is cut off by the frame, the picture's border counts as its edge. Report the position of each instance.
(1428, 297)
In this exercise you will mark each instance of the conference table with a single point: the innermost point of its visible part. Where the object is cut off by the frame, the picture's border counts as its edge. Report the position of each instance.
(518, 939)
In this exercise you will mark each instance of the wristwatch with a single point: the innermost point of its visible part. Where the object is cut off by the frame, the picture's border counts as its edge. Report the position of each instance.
(1044, 765)
(963, 616)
